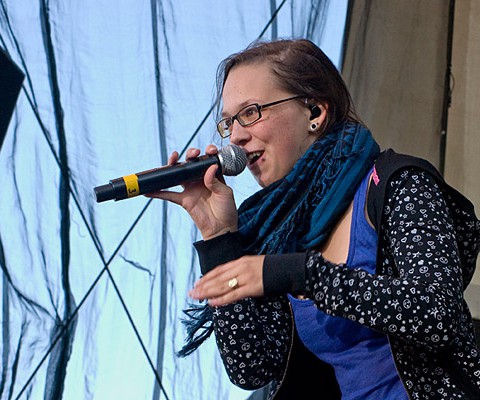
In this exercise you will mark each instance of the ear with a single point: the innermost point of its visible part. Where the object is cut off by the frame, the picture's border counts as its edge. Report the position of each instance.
(318, 116)
(315, 111)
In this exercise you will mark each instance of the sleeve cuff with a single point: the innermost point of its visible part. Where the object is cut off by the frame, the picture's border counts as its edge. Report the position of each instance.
(284, 273)
(219, 250)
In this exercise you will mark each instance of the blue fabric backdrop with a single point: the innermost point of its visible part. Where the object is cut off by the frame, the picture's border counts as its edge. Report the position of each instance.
(92, 294)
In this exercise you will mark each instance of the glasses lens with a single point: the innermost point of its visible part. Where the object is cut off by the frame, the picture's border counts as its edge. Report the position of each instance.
(223, 127)
(248, 115)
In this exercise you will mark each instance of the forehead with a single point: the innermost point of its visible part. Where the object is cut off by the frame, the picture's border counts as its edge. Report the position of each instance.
(248, 83)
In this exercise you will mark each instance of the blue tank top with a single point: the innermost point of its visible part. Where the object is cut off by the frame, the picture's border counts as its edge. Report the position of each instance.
(361, 357)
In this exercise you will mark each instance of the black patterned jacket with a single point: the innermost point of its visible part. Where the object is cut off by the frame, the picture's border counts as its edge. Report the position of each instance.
(428, 243)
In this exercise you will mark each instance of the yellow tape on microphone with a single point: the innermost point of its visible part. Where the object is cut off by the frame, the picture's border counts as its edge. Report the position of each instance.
(131, 183)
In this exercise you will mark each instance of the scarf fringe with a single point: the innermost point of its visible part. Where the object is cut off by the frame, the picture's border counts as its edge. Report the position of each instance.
(199, 319)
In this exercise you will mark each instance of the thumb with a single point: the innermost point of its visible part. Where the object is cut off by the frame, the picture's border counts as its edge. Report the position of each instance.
(214, 181)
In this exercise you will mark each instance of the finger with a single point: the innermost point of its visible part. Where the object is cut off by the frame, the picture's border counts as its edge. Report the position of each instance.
(213, 284)
(211, 149)
(174, 197)
(215, 182)
(173, 159)
(215, 289)
(222, 287)
(192, 153)
(210, 175)
(238, 288)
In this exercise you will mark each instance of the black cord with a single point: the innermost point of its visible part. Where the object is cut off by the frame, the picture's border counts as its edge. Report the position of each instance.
(447, 95)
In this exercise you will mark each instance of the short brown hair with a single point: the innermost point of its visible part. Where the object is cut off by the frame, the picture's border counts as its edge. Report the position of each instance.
(301, 68)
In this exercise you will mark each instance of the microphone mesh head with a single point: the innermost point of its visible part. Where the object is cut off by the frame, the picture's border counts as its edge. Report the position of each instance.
(232, 159)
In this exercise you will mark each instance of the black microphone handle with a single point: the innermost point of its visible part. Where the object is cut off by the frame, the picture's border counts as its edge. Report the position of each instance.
(154, 179)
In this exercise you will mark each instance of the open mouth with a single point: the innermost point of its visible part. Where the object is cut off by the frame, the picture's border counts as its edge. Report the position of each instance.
(253, 157)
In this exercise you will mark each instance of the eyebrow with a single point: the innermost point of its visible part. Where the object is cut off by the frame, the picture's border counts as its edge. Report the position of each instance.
(240, 106)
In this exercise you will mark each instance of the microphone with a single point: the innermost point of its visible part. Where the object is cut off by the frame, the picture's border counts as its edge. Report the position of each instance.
(231, 159)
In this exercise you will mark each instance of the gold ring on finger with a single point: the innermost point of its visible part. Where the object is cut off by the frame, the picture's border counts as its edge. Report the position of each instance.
(233, 283)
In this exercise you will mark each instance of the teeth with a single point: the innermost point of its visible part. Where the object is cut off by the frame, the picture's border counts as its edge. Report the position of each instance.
(254, 155)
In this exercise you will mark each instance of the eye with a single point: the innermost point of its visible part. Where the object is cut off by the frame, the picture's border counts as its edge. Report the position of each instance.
(249, 113)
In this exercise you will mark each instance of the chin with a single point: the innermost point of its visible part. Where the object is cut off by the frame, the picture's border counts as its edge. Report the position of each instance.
(264, 182)
(261, 181)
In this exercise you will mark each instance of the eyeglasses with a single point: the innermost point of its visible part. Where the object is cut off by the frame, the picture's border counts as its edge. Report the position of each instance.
(247, 116)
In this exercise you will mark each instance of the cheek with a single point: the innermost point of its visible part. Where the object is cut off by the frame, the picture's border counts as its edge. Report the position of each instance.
(291, 143)
(286, 154)
(287, 139)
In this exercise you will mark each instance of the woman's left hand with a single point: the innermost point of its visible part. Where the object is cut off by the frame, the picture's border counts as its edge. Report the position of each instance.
(216, 285)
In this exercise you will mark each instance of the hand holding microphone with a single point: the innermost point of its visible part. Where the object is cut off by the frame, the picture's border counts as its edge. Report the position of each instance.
(231, 159)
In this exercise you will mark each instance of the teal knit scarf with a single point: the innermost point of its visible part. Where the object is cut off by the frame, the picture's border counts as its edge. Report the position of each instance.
(299, 211)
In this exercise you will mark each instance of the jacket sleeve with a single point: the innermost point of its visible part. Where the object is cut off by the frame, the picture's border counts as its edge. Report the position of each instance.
(417, 293)
(253, 335)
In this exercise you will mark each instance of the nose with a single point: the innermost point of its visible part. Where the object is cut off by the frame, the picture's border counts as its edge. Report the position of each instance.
(240, 134)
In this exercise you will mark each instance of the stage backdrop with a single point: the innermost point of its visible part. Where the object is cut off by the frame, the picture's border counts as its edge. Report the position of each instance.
(92, 294)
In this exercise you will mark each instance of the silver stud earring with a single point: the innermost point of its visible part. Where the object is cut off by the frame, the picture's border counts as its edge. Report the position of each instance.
(313, 127)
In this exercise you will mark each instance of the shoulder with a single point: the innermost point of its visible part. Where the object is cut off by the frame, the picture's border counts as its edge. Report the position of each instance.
(388, 164)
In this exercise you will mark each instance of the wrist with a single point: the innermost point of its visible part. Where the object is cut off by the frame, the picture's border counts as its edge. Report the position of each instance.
(223, 231)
